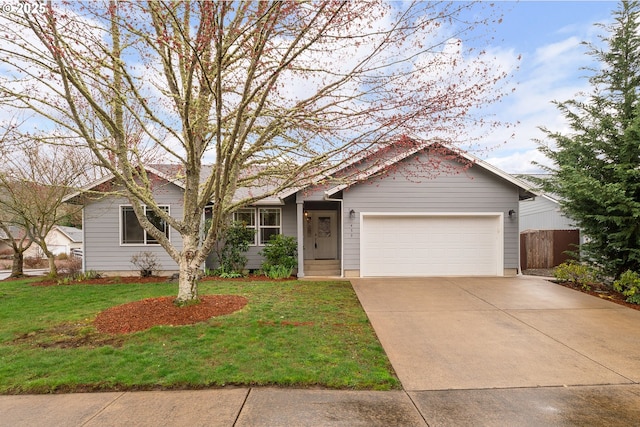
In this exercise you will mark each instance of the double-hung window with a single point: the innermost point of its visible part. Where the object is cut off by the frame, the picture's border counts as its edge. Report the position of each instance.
(248, 218)
(266, 222)
(132, 233)
(270, 224)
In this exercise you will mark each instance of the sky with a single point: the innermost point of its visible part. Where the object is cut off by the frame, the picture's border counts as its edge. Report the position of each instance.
(548, 35)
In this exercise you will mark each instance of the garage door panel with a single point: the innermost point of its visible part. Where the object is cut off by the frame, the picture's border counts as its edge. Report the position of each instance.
(431, 245)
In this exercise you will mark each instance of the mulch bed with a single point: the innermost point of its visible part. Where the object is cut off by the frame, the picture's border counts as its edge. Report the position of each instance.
(140, 315)
(601, 291)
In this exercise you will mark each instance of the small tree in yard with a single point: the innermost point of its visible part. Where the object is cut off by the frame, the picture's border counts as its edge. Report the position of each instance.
(274, 94)
(597, 167)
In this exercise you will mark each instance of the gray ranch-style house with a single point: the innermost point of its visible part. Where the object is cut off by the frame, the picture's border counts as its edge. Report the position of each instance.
(461, 221)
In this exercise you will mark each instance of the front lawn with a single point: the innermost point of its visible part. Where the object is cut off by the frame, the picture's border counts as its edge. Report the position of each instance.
(291, 333)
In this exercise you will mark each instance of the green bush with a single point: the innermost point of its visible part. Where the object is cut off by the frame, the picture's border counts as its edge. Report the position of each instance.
(78, 277)
(229, 275)
(277, 272)
(280, 256)
(574, 272)
(629, 285)
(236, 240)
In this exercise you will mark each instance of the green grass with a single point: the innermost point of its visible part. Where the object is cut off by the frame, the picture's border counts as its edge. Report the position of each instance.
(290, 333)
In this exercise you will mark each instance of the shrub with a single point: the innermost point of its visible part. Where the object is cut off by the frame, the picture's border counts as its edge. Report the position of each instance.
(574, 272)
(79, 277)
(62, 256)
(280, 256)
(629, 285)
(72, 266)
(230, 274)
(277, 272)
(146, 262)
(236, 241)
(33, 262)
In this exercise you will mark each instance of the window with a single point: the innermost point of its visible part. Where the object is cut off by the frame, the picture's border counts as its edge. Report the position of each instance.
(269, 225)
(248, 218)
(265, 224)
(132, 233)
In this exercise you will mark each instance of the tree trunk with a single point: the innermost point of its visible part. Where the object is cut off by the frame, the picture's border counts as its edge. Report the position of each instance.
(189, 268)
(17, 267)
(53, 270)
(187, 284)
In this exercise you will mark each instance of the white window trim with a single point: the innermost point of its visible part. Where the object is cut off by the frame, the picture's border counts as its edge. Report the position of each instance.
(260, 227)
(120, 230)
(254, 227)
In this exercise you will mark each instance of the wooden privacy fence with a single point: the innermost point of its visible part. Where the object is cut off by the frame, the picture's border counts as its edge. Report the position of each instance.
(546, 248)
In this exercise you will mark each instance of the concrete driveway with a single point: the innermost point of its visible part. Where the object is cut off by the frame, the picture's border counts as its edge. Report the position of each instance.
(488, 333)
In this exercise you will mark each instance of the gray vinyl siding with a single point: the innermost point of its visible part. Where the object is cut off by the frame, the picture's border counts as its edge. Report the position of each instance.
(543, 214)
(474, 190)
(102, 248)
(288, 223)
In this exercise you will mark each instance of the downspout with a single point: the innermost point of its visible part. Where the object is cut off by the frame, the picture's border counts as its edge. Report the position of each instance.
(329, 199)
(84, 243)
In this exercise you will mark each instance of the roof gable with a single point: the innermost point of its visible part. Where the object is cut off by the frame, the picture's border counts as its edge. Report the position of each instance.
(526, 190)
(360, 168)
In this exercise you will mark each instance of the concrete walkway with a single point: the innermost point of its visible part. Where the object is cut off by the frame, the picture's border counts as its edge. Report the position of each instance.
(33, 272)
(469, 352)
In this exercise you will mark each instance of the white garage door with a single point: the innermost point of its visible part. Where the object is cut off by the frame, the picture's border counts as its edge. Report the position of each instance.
(431, 245)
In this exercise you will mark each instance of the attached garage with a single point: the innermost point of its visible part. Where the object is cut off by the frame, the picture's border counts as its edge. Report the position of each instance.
(431, 244)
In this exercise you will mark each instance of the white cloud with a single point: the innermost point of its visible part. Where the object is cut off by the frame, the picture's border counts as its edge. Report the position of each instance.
(553, 72)
(520, 162)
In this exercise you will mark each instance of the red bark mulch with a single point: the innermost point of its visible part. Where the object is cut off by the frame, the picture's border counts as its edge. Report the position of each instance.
(141, 315)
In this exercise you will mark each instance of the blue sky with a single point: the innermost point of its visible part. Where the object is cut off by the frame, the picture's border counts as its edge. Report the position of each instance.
(548, 35)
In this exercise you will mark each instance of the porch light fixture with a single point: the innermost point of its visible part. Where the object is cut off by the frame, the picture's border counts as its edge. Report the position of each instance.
(511, 213)
(352, 213)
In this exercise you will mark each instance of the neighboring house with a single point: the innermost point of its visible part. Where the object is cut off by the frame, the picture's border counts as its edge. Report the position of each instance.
(60, 240)
(547, 234)
(5, 242)
(542, 212)
(458, 222)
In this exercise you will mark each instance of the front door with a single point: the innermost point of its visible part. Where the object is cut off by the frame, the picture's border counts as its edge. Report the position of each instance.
(321, 235)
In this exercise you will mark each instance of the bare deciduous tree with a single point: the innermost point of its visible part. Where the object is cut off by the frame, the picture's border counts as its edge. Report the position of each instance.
(34, 182)
(273, 94)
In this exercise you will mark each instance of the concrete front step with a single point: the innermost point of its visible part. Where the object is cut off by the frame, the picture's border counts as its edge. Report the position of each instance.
(322, 267)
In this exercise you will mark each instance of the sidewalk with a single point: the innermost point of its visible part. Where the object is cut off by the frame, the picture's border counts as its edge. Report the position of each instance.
(242, 407)
(37, 272)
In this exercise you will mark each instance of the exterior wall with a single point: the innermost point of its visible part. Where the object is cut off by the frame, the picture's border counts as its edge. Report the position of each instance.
(288, 229)
(101, 225)
(543, 214)
(254, 259)
(474, 190)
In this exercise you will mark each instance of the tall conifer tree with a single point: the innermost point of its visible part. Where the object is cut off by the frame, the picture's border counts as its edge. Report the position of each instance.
(596, 168)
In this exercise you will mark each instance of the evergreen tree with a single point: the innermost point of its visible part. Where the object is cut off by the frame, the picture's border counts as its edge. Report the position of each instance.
(596, 168)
